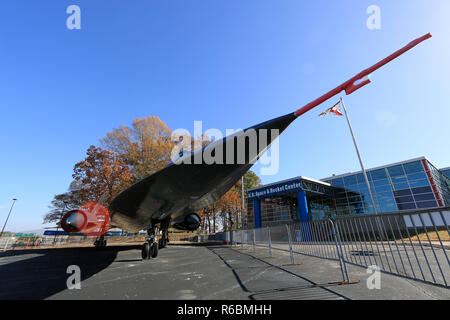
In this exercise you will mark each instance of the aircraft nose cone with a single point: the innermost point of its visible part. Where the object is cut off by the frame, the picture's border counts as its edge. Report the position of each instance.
(73, 221)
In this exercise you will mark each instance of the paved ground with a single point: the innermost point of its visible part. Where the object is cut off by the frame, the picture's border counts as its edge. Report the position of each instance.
(192, 272)
(424, 263)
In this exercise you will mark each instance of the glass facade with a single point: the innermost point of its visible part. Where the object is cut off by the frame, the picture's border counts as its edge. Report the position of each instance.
(281, 209)
(413, 184)
(321, 207)
(409, 185)
(446, 172)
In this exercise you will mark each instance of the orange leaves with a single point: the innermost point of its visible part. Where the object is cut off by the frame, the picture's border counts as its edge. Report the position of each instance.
(145, 147)
(102, 173)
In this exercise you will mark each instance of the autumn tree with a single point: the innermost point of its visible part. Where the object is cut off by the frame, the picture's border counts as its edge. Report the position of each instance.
(145, 146)
(100, 176)
(251, 180)
(61, 204)
(229, 207)
(102, 173)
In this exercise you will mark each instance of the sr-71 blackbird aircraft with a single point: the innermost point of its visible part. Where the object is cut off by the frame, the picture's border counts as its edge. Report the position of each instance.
(171, 196)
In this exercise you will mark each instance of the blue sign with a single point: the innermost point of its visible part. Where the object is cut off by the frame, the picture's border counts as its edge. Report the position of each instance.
(60, 233)
(290, 186)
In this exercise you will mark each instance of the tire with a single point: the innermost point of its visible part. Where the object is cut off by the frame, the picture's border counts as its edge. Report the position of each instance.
(146, 251)
(155, 250)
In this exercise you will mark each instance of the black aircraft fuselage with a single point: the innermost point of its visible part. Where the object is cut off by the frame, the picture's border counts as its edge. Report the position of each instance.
(190, 184)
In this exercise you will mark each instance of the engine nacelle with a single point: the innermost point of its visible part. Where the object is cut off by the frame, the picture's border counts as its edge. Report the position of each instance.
(190, 222)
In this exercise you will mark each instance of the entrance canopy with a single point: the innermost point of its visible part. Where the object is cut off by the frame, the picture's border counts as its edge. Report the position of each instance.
(294, 185)
(296, 199)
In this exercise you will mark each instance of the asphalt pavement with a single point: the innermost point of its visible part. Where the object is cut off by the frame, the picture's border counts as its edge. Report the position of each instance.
(192, 271)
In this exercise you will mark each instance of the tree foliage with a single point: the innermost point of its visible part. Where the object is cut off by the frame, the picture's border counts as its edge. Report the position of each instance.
(145, 146)
(99, 178)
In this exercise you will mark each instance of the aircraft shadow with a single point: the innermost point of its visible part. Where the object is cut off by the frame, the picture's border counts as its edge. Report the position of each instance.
(309, 290)
(39, 274)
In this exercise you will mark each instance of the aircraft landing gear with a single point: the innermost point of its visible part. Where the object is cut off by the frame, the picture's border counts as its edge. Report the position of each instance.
(100, 242)
(150, 248)
(162, 243)
(165, 233)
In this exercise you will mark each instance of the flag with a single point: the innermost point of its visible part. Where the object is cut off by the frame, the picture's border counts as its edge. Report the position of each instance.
(334, 109)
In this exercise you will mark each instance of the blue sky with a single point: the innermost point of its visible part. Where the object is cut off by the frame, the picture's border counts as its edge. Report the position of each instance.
(228, 63)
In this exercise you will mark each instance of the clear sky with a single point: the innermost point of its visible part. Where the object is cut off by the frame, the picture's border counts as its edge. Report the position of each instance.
(228, 63)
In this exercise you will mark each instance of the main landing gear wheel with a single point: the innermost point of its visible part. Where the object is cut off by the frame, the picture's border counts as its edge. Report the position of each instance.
(146, 251)
(154, 250)
(149, 250)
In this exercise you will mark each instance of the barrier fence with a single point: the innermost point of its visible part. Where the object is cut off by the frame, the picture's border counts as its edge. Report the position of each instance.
(414, 244)
(11, 243)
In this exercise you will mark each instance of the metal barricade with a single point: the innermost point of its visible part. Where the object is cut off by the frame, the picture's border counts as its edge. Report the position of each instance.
(315, 238)
(413, 244)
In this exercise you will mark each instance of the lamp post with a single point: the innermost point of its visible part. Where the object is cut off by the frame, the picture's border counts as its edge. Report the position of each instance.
(14, 201)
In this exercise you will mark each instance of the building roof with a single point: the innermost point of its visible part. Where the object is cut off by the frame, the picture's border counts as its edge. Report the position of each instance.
(292, 179)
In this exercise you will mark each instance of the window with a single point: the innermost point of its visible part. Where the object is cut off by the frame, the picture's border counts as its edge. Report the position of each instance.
(396, 171)
(350, 180)
(406, 206)
(404, 199)
(412, 167)
(419, 183)
(417, 176)
(399, 180)
(360, 178)
(338, 182)
(383, 188)
(382, 182)
(424, 196)
(421, 190)
(385, 195)
(427, 204)
(387, 207)
(353, 188)
(354, 199)
(378, 174)
(405, 192)
(400, 186)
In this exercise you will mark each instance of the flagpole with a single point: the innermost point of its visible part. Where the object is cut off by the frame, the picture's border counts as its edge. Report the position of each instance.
(359, 157)
(243, 203)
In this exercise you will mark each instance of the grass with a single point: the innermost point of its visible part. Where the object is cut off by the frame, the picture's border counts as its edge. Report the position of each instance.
(443, 234)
